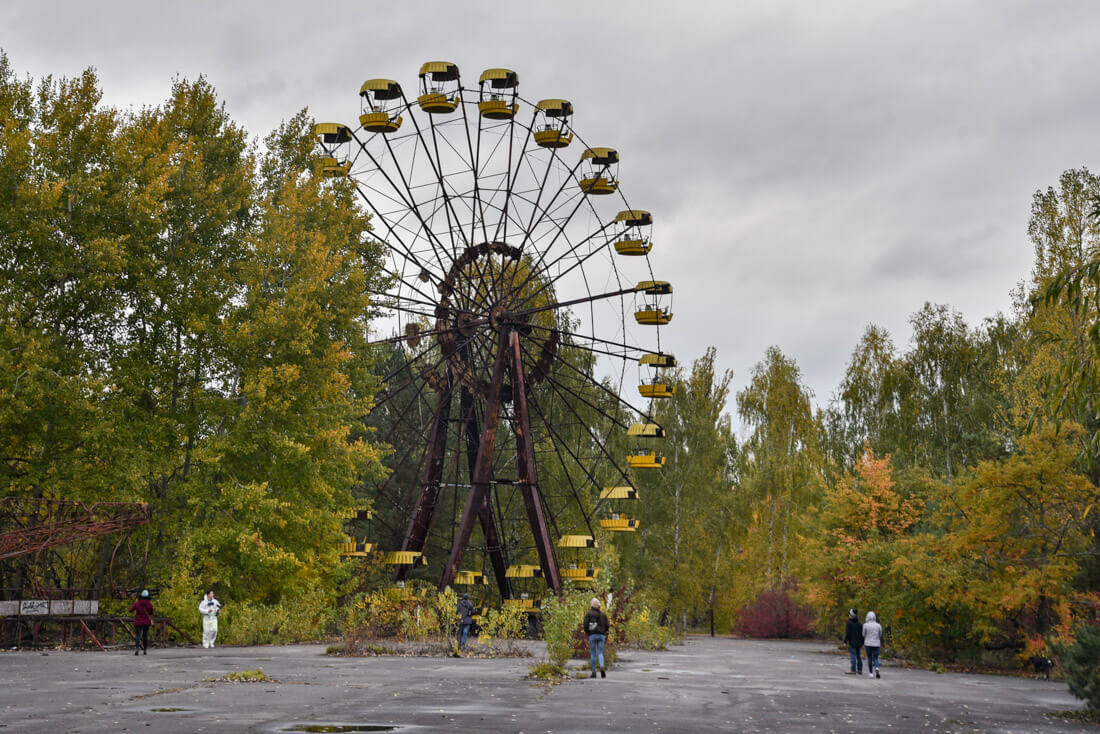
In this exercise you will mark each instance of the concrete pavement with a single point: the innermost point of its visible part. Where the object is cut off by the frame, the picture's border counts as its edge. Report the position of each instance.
(704, 685)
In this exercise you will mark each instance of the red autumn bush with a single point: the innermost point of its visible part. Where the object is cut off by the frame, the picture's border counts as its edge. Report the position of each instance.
(774, 614)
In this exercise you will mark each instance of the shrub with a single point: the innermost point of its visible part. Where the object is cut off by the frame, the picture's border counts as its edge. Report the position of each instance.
(641, 630)
(506, 623)
(1080, 661)
(774, 614)
(561, 620)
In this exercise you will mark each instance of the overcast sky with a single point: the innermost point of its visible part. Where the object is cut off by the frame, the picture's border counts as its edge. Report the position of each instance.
(811, 167)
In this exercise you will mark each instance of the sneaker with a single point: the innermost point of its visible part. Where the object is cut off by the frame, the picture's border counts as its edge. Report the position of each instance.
(603, 673)
(876, 673)
(870, 674)
(593, 673)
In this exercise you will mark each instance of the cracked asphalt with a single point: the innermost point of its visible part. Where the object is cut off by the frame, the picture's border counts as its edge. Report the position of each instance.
(703, 685)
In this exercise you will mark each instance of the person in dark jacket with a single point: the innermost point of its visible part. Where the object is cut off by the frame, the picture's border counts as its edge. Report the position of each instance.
(853, 635)
(143, 618)
(465, 619)
(596, 626)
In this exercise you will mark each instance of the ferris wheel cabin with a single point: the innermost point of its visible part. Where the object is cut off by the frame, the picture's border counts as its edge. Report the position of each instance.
(381, 104)
(498, 91)
(439, 87)
(335, 140)
(599, 171)
(653, 312)
(552, 123)
(576, 567)
(635, 239)
(617, 520)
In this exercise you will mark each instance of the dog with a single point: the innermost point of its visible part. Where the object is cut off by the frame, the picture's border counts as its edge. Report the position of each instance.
(1042, 666)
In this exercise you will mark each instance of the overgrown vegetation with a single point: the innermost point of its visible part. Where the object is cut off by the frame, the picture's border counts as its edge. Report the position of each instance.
(1080, 661)
(242, 676)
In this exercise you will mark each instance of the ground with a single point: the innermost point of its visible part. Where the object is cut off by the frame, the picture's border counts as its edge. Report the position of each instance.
(703, 685)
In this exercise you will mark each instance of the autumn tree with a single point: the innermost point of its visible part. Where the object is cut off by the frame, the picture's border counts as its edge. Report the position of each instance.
(183, 321)
(779, 463)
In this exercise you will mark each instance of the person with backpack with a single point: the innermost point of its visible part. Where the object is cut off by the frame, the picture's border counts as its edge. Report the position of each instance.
(596, 626)
(143, 619)
(853, 635)
(465, 619)
(872, 641)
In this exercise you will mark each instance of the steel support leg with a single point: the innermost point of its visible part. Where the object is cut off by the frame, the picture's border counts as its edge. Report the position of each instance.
(424, 509)
(493, 545)
(483, 472)
(525, 450)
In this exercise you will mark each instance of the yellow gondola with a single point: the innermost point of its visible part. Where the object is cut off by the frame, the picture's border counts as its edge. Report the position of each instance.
(657, 359)
(470, 578)
(576, 569)
(646, 460)
(552, 123)
(334, 138)
(579, 572)
(617, 521)
(652, 315)
(498, 94)
(654, 287)
(439, 87)
(380, 113)
(523, 571)
(645, 430)
(404, 558)
(656, 389)
(526, 604)
(635, 240)
(353, 548)
(332, 133)
(598, 177)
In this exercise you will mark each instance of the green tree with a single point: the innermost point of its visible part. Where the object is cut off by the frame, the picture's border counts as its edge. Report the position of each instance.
(780, 475)
(686, 509)
(183, 321)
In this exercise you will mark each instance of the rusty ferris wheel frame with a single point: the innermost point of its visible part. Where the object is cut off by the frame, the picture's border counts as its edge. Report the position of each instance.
(503, 258)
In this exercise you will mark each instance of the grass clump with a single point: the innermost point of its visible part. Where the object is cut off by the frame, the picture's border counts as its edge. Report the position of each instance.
(242, 676)
(548, 671)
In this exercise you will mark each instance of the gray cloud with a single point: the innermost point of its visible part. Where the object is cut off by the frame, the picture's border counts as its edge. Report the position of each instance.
(812, 167)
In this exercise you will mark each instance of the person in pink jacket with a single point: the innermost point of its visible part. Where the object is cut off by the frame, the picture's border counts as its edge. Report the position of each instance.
(143, 619)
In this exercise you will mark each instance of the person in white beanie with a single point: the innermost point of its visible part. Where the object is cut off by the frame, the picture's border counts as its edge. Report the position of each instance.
(596, 625)
(209, 608)
(872, 641)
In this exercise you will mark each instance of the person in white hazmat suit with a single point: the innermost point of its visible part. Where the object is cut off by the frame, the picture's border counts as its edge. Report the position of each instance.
(209, 608)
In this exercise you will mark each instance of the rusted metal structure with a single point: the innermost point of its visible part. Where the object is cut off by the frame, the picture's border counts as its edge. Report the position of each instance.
(29, 526)
(519, 301)
(33, 534)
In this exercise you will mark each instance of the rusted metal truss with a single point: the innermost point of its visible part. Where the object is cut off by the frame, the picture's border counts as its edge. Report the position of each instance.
(28, 526)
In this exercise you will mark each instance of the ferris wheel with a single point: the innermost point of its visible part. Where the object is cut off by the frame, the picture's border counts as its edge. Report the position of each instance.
(522, 342)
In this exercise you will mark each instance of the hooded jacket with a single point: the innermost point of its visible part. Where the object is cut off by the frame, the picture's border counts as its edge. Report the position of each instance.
(596, 622)
(465, 611)
(872, 632)
(853, 633)
(143, 612)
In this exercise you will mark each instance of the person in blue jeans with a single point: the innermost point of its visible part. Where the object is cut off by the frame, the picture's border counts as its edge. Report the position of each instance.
(465, 619)
(872, 641)
(853, 635)
(596, 626)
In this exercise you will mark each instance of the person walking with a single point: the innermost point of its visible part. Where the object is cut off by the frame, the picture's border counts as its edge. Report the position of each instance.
(209, 607)
(872, 641)
(143, 619)
(596, 626)
(465, 619)
(853, 635)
